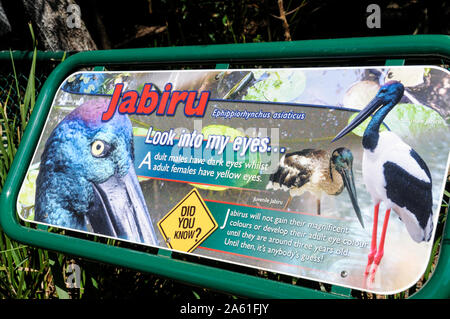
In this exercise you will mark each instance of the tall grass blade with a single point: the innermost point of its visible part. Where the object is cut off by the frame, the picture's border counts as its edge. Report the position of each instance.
(24, 271)
(15, 77)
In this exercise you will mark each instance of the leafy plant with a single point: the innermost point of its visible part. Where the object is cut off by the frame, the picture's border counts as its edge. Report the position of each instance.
(276, 86)
(25, 272)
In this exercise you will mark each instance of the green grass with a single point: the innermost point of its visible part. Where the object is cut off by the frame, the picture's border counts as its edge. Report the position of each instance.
(25, 272)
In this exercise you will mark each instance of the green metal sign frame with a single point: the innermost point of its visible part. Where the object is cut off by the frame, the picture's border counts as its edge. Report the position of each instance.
(396, 47)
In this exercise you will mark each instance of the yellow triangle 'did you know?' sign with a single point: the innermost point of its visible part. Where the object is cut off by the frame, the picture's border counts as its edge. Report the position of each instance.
(188, 224)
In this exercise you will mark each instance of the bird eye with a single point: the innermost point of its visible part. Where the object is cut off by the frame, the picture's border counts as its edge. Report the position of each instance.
(100, 148)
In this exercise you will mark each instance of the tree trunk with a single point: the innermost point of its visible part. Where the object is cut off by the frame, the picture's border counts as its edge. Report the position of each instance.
(58, 25)
(5, 26)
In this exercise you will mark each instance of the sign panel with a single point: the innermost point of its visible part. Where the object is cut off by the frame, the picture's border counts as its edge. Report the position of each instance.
(326, 174)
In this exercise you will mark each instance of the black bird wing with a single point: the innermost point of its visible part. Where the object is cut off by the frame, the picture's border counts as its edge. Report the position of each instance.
(295, 169)
(417, 200)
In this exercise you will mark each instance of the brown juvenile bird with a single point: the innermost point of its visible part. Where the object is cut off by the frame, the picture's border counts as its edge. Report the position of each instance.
(317, 172)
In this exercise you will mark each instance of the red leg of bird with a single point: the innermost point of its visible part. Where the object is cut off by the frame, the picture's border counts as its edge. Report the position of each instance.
(373, 245)
(380, 250)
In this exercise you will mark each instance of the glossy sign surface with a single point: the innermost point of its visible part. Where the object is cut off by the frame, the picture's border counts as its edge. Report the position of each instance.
(121, 150)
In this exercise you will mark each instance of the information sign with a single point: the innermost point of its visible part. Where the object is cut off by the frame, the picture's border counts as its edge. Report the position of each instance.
(330, 174)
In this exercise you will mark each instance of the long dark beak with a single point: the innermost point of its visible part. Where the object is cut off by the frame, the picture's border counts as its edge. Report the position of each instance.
(119, 210)
(362, 115)
(349, 183)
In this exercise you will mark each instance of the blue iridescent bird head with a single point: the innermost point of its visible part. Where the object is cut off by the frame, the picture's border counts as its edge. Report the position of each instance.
(87, 180)
(390, 92)
(342, 161)
(387, 97)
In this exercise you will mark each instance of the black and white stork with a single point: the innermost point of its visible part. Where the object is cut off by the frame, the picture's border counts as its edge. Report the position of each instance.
(317, 172)
(393, 174)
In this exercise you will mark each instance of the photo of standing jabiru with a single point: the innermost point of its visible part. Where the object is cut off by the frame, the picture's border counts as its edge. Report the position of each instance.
(317, 172)
(393, 174)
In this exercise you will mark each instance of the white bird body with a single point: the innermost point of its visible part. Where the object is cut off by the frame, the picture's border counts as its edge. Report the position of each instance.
(391, 148)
